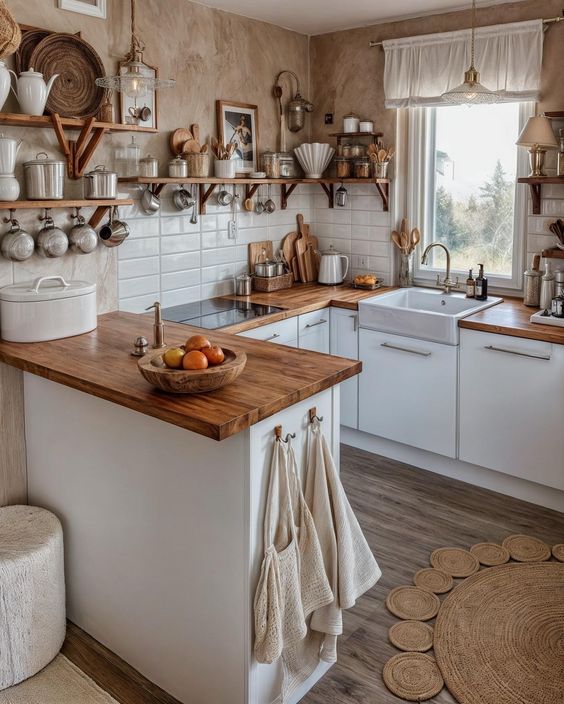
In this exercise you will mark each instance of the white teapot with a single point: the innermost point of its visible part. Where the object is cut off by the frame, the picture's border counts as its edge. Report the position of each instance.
(32, 91)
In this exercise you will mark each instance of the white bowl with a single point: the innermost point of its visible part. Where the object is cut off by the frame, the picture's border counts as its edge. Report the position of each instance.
(314, 158)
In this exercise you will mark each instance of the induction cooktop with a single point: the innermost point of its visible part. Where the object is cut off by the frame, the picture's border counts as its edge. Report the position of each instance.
(216, 313)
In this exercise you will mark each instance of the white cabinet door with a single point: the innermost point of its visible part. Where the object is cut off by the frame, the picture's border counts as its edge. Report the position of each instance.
(512, 406)
(313, 331)
(344, 343)
(284, 332)
(408, 391)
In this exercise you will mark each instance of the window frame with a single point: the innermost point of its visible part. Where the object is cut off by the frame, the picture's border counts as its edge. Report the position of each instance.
(421, 134)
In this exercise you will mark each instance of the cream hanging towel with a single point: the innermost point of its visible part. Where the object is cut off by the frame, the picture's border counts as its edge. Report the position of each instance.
(350, 565)
(420, 69)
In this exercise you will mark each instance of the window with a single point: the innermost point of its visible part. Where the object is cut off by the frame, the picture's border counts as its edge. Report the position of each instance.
(464, 191)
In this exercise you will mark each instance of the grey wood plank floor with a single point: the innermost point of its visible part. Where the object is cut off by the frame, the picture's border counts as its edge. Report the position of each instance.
(406, 513)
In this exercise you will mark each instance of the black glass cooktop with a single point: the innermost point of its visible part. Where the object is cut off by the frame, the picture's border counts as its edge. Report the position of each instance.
(216, 313)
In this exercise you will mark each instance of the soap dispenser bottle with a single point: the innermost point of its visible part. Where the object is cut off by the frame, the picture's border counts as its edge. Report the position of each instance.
(547, 287)
(470, 286)
(481, 285)
(158, 326)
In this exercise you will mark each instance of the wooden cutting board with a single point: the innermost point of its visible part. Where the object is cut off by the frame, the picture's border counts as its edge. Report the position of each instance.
(301, 249)
(255, 253)
(288, 246)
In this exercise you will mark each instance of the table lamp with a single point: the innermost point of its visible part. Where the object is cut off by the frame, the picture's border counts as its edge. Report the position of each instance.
(538, 136)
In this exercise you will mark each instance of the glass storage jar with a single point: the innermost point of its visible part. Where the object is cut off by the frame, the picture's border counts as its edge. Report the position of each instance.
(287, 165)
(351, 123)
(357, 151)
(343, 167)
(347, 151)
(271, 164)
(198, 165)
(149, 166)
(178, 167)
(133, 152)
(362, 167)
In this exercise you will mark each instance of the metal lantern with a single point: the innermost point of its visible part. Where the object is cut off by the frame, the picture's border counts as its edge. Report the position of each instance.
(297, 107)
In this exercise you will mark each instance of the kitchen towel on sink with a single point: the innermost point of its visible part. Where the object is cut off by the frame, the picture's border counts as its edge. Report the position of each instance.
(350, 565)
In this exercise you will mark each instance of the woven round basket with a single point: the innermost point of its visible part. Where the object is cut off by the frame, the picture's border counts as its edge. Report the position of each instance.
(413, 676)
(524, 548)
(413, 603)
(433, 580)
(411, 636)
(74, 92)
(499, 635)
(29, 41)
(490, 554)
(10, 32)
(558, 552)
(455, 562)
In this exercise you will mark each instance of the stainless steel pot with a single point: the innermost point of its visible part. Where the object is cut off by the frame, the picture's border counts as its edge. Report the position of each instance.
(100, 183)
(44, 178)
(114, 232)
(82, 238)
(183, 199)
(266, 269)
(17, 244)
(51, 241)
(243, 285)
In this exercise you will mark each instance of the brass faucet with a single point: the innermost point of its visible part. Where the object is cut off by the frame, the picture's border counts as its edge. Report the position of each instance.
(448, 284)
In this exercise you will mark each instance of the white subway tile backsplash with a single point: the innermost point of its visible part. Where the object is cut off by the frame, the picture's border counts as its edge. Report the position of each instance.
(173, 244)
(180, 296)
(133, 249)
(180, 279)
(143, 227)
(180, 261)
(131, 268)
(138, 304)
(138, 287)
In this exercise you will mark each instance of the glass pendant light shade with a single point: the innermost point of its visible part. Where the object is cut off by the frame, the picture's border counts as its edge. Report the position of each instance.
(471, 91)
(138, 79)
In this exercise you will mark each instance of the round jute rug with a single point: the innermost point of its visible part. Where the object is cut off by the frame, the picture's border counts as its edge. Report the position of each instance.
(433, 580)
(455, 561)
(412, 603)
(524, 548)
(490, 554)
(558, 552)
(499, 636)
(412, 676)
(412, 636)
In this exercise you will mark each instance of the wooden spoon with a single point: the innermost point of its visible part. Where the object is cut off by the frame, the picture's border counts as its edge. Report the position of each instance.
(191, 147)
(396, 239)
(415, 237)
(382, 153)
(404, 242)
(248, 204)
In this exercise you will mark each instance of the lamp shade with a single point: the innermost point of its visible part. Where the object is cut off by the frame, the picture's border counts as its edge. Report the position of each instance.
(538, 133)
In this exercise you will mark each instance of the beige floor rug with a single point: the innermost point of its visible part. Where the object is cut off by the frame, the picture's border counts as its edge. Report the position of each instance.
(60, 682)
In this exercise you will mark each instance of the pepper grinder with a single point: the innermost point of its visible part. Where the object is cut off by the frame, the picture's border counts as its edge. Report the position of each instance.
(158, 327)
(533, 278)
(547, 288)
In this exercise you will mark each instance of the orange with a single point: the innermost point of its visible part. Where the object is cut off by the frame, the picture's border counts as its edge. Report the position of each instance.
(195, 360)
(197, 342)
(214, 354)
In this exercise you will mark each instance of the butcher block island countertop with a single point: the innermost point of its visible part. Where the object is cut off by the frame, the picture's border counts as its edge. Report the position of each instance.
(99, 363)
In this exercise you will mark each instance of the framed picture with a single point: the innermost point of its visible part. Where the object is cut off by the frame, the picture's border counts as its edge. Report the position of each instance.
(238, 123)
(94, 8)
(132, 111)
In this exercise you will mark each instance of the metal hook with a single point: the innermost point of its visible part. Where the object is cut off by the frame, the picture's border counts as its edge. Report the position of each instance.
(278, 434)
(313, 415)
(46, 214)
(75, 213)
(12, 216)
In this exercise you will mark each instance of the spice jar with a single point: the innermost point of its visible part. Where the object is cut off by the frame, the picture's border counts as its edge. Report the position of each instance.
(343, 167)
(287, 165)
(271, 164)
(362, 167)
(149, 166)
(351, 123)
(178, 168)
(366, 126)
(357, 151)
(198, 164)
(347, 151)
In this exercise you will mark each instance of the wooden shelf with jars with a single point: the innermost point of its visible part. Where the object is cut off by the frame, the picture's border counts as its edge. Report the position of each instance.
(553, 253)
(77, 152)
(101, 205)
(208, 184)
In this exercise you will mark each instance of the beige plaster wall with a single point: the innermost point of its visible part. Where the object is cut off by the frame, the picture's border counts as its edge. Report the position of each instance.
(347, 74)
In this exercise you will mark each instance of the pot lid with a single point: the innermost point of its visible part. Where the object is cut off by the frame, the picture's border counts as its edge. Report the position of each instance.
(42, 158)
(100, 169)
(351, 115)
(331, 251)
(148, 159)
(178, 160)
(45, 288)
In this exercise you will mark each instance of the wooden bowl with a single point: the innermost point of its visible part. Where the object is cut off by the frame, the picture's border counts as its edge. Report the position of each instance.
(188, 381)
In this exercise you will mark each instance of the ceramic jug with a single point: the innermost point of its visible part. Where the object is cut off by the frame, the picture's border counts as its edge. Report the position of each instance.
(4, 84)
(32, 91)
(9, 149)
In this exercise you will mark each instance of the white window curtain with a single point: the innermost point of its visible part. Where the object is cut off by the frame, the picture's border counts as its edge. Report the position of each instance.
(420, 69)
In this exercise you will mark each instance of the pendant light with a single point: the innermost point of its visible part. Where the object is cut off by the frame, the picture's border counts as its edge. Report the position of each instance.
(138, 79)
(471, 92)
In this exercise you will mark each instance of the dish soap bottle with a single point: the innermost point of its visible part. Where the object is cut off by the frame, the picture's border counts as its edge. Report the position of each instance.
(470, 286)
(481, 285)
(547, 288)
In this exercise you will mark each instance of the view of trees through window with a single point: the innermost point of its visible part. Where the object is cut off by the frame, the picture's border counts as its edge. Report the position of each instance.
(475, 172)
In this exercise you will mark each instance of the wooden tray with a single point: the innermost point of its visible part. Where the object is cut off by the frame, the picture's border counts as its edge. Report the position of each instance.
(368, 287)
(272, 283)
(188, 381)
(546, 319)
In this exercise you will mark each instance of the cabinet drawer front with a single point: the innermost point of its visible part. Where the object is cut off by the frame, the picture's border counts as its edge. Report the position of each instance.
(344, 342)
(317, 340)
(281, 332)
(318, 319)
(511, 406)
(408, 391)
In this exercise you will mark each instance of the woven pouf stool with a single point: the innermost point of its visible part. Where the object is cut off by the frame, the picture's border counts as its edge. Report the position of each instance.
(32, 592)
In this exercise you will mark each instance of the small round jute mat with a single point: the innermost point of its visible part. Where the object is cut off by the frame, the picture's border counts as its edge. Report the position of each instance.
(433, 580)
(499, 635)
(413, 676)
(412, 603)
(490, 554)
(455, 561)
(412, 636)
(523, 548)
(558, 552)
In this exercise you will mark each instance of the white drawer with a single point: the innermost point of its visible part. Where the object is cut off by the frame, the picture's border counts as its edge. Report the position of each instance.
(310, 321)
(283, 332)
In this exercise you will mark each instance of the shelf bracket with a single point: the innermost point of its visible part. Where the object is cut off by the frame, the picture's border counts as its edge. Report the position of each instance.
(251, 189)
(78, 153)
(329, 190)
(384, 191)
(286, 191)
(63, 142)
(97, 215)
(536, 197)
(205, 195)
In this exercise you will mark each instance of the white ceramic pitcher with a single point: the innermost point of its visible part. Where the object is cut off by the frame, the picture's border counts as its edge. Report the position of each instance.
(9, 149)
(32, 91)
(5, 79)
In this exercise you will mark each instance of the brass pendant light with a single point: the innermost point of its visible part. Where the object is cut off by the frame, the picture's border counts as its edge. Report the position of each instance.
(471, 92)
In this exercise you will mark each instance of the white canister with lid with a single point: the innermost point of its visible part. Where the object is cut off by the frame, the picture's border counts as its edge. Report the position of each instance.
(351, 123)
(48, 308)
(366, 126)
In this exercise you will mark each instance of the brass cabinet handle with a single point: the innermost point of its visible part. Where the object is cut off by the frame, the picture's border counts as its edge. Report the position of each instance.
(492, 348)
(389, 346)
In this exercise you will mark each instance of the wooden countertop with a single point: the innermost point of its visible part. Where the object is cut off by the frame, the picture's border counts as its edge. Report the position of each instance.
(99, 363)
(512, 318)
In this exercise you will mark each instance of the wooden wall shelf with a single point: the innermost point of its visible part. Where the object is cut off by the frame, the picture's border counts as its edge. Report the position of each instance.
(77, 152)
(355, 135)
(287, 186)
(101, 206)
(535, 184)
(553, 253)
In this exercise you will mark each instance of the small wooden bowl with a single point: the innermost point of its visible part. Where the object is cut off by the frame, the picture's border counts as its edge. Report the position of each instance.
(191, 381)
